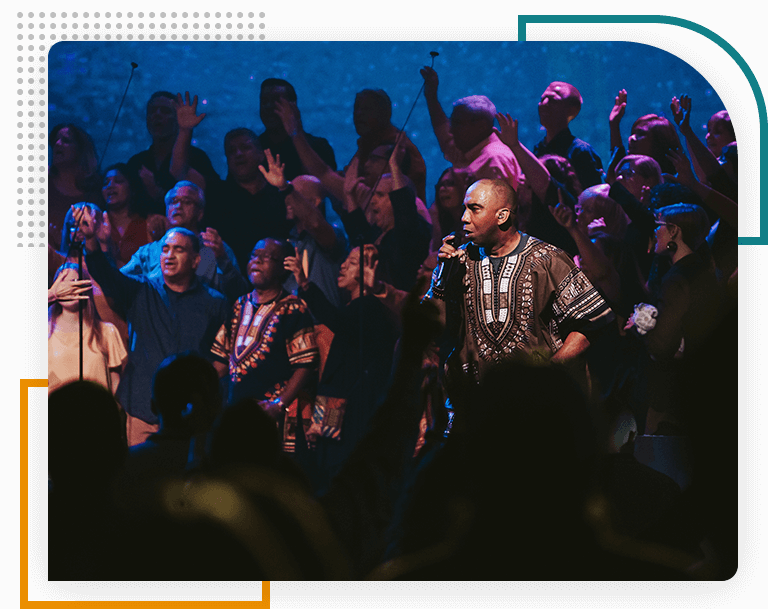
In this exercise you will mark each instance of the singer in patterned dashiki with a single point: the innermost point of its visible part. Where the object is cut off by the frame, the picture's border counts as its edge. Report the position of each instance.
(510, 294)
(268, 345)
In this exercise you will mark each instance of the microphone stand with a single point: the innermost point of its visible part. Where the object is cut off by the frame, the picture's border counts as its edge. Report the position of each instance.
(79, 246)
(81, 303)
(362, 240)
(134, 65)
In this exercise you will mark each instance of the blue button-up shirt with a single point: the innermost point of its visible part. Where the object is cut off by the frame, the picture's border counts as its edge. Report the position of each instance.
(161, 322)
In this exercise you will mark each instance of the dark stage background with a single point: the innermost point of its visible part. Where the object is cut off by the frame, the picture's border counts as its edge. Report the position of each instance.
(87, 80)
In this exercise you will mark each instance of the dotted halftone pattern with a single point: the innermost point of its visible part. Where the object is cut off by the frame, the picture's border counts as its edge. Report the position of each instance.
(38, 32)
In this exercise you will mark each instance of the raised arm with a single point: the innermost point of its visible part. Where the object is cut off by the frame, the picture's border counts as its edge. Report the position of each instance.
(441, 125)
(311, 217)
(535, 172)
(395, 159)
(188, 119)
(723, 206)
(599, 271)
(617, 144)
(228, 280)
(291, 117)
(614, 118)
(356, 193)
(120, 288)
(704, 161)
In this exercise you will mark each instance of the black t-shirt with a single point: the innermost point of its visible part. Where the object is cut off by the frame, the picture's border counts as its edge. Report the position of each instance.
(242, 218)
(198, 161)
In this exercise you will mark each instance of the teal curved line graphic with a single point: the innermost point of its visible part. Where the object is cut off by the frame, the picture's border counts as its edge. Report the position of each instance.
(762, 238)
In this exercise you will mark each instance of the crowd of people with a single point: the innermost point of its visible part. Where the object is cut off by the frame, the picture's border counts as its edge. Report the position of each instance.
(297, 372)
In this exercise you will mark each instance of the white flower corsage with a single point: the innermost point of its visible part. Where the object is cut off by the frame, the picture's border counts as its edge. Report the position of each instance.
(644, 317)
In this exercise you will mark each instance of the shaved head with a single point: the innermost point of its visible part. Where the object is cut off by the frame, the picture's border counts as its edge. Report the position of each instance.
(498, 194)
(560, 104)
(570, 95)
(310, 188)
(490, 213)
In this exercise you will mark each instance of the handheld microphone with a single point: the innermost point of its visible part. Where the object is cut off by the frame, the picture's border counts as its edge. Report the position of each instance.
(448, 268)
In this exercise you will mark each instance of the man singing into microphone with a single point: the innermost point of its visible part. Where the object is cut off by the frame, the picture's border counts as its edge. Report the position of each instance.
(509, 295)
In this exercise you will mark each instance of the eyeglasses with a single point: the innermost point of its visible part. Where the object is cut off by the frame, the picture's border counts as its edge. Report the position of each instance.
(626, 172)
(265, 258)
(184, 200)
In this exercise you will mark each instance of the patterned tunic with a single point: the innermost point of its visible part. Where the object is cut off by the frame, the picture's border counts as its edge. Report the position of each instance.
(263, 345)
(525, 303)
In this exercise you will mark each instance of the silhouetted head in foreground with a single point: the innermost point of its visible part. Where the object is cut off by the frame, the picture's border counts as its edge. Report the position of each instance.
(507, 498)
(85, 440)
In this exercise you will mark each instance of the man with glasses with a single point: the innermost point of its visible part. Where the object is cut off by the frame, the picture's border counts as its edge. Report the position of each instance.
(185, 205)
(267, 346)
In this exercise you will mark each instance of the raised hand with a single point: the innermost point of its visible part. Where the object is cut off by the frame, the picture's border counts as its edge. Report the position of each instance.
(645, 196)
(351, 182)
(683, 167)
(211, 239)
(186, 112)
(293, 265)
(681, 110)
(86, 221)
(430, 81)
(563, 214)
(597, 224)
(508, 132)
(104, 230)
(619, 106)
(66, 289)
(275, 174)
(290, 116)
(369, 272)
(157, 226)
